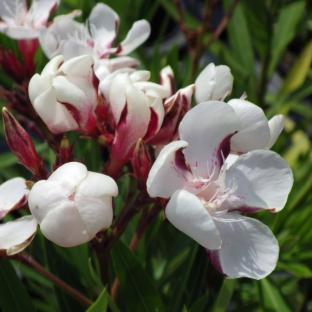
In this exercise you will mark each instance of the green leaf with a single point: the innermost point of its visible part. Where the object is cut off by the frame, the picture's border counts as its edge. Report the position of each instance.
(224, 296)
(298, 269)
(14, 297)
(141, 294)
(285, 30)
(299, 71)
(101, 303)
(272, 297)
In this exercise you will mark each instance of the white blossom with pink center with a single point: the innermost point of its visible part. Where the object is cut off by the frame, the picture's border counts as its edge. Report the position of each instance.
(70, 38)
(19, 22)
(208, 196)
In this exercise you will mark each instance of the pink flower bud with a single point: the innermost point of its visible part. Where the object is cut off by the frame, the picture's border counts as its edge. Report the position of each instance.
(21, 145)
(28, 50)
(141, 161)
(176, 107)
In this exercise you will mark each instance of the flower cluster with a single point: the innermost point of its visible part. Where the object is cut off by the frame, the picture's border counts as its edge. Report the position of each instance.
(210, 164)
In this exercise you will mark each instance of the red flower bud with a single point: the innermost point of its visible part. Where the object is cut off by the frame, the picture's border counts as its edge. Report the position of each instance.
(21, 145)
(141, 161)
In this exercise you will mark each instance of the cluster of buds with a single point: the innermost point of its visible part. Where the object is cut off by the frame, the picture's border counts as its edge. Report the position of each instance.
(212, 162)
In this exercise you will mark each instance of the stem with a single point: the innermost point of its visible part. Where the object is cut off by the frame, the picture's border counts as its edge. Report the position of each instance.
(144, 223)
(32, 263)
(223, 23)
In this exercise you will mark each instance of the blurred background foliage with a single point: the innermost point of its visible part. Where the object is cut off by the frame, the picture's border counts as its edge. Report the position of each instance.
(268, 46)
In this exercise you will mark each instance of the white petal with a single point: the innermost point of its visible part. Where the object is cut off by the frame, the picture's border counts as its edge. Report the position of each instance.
(9, 8)
(53, 66)
(62, 30)
(138, 115)
(40, 11)
(21, 32)
(207, 128)
(97, 185)
(45, 196)
(16, 235)
(276, 125)
(96, 214)
(188, 214)
(13, 193)
(64, 226)
(158, 108)
(140, 75)
(254, 130)
(167, 78)
(165, 176)
(80, 65)
(103, 22)
(213, 83)
(138, 33)
(249, 249)
(37, 85)
(55, 115)
(260, 179)
(153, 89)
(117, 95)
(70, 175)
(67, 92)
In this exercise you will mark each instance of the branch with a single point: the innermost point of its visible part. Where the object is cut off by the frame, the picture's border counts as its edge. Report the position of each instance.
(27, 259)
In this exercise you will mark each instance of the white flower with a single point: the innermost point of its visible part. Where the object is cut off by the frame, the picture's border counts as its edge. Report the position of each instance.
(20, 23)
(70, 38)
(15, 235)
(73, 204)
(255, 131)
(208, 195)
(64, 95)
(213, 83)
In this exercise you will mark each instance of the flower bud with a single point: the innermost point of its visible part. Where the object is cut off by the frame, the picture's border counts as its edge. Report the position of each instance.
(64, 95)
(21, 145)
(213, 83)
(141, 161)
(73, 204)
(175, 108)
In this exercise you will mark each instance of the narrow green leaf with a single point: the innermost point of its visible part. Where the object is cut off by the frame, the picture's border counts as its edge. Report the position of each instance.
(298, 269)
(141, 294)
(285, 30)
(224, 296)
(299, 71)
(272, 297)
(13, 296)
(101, 303)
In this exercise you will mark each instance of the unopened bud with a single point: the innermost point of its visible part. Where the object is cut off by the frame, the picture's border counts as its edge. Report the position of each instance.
(21, 145)
(141, 161)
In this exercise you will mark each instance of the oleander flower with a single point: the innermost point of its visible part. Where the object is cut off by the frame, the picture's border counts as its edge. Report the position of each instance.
(67, 37)
(19, 22)
(64, 95)
(207, 195)
(15, 235)
(256, 131)
(73, 204)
